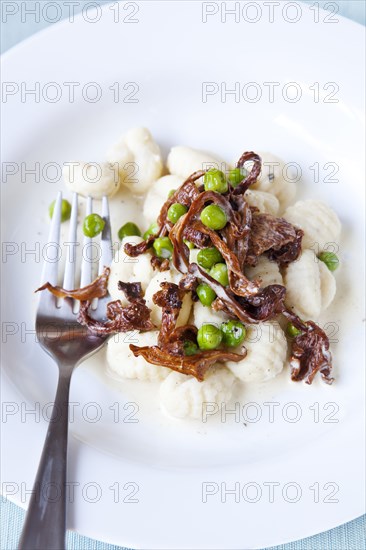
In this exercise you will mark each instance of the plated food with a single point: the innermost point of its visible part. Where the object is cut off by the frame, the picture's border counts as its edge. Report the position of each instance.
(219, 282)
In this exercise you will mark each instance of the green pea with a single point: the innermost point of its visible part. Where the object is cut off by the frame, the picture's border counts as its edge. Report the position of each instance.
(214, 180)
(152, 230)
(205, 294)
(129, 229)
(214, 217)
(176, 211)
(208, 257)
(236, 175)
(65, 210)
(220, 274)
(163, 247)
(190, 348)
(292, 331)
(330, 259)
(209, 337)
(189, 244)
(233, 333)
(171, 193)
(93, 225)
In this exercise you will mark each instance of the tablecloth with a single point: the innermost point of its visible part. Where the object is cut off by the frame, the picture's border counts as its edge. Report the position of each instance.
(350, 536)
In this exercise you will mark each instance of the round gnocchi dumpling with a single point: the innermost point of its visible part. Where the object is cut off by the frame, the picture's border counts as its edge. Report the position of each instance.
(266, 270)
(328, 285)
(138, 159)
(153, 287)
(273, 179)
(123, 364)
(183, 161)
(203, 315)
(183, 396)
(91, 178)
(127, 269)
(310, 286)
(266, 347)
(266, 203)
(158, 194)
(320, 223)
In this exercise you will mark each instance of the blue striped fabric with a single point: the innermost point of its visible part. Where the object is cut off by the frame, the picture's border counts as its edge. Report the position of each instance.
(350, 536)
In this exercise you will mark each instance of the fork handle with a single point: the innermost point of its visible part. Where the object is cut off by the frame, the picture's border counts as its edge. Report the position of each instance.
(45, 524)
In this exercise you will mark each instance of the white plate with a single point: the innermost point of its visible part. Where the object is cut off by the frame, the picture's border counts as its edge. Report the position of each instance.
(169, 53)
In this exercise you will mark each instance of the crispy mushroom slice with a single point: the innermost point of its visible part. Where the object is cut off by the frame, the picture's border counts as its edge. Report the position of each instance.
(196, 365)
(276, 236)
(310, 351)
(134, 316)
(253, 175)
(96, 289)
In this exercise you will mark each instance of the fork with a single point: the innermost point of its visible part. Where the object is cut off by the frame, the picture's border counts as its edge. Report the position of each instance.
(68, 343)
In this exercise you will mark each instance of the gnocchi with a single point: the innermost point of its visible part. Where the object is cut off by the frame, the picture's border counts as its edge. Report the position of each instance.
(310, 286)
(273, 179)
(158, 194)
(267, 271)
(183, 396)
(123, 364)
(320, 223)
(183, 161)
(265, 202)
(91, 178)
(137, 149)
(206, 315)
(328, 285)
(266, 347)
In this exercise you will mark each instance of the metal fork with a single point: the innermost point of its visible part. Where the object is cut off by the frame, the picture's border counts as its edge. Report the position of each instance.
(68, 343)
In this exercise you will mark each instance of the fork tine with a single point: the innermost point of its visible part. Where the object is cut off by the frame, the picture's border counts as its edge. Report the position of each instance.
(86, 264)
(69, 276)
(106, 240)
(50, 268)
